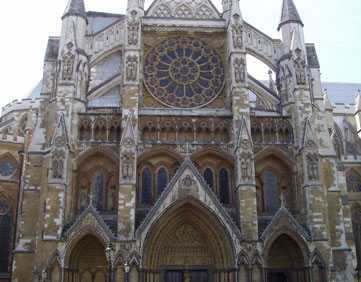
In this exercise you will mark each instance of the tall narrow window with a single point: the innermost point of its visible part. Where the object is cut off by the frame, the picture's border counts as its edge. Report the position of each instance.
(271, 192)
(98, 190)
(5, 232)
(161, 180)
(146, 186)
(208, 176)
(224, 186)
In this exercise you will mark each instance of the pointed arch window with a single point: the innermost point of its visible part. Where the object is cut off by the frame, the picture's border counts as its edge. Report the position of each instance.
(161, 180)
(271, 192)
(224, 186)
(208, 177)
(98, 189)
(5, 234)
(353, 182)
(146, 186)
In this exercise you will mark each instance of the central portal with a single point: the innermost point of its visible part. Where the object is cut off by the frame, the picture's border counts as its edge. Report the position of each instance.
(194, 274)
(187, 244)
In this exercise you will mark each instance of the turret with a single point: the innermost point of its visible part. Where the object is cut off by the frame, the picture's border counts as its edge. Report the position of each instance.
(74, 26)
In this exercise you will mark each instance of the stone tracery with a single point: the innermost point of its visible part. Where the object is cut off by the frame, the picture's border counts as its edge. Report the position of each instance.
(184, 72)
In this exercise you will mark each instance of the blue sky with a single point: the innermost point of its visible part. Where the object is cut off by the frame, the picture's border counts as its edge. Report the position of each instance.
(333, 25)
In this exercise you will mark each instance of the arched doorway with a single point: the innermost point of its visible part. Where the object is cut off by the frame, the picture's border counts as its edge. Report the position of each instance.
(188, 244)
(87, 261)
(286, 261)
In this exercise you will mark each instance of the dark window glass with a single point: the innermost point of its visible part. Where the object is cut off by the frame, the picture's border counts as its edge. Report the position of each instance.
(5, 231)
(146, 186)
(208, 176)
(271, 192)
(224, 186)
(98, 189)
(162, 180)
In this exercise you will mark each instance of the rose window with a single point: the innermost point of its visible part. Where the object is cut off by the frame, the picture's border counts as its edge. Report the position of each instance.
(184, 72)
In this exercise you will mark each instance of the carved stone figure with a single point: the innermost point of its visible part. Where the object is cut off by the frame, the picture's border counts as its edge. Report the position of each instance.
(132, 66)
(111, 201)
(127, 167)
(188, 182)
(133, 29)
(239, 72)
(237, 35)
(246, 171)
(300, 69)
(60, 169)
(68, 63)
(55, 169)
(83, 201)
(312, 167)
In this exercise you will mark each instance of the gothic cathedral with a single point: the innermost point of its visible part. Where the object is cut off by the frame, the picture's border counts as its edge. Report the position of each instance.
(148, 153)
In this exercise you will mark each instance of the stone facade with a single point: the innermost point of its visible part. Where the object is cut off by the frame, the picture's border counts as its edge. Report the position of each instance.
(149, 139)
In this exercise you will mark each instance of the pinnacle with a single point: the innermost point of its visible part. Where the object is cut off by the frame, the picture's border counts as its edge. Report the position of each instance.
(289, 14)
(75, 7)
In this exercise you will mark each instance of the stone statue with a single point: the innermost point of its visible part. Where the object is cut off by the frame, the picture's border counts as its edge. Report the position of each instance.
(239, 72)
(68, 63)
(55, 168)
(237, 35)
(133, 29)
(132, 66)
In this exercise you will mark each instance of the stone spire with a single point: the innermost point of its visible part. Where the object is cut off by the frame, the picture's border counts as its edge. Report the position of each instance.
(75, 7)
(289, 14)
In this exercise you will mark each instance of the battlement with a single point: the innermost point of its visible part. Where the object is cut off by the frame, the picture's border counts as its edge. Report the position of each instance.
(21, 105)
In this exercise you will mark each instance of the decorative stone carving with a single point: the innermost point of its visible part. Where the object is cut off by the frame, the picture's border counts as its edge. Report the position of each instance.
(312, 166)
(300, 72)
(58, 157)
(83, 200)
(176, 249)
(132, 67)
(239, 71)
(237, 35)
(68, 63)
(127, 167)
(246, 166)
(162, 11)
(204, 13)
(133, 29)
(187, 183)
(183, 12)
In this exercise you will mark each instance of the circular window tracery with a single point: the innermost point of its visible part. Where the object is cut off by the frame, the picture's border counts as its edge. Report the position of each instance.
(184, 72)
(7, 169)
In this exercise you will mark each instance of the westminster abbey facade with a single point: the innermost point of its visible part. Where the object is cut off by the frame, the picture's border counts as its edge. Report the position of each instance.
(149, 153)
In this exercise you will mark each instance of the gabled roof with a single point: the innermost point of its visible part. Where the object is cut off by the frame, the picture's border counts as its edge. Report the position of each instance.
(289, 14)
(80, 222)
(293, 224)
(75, 7)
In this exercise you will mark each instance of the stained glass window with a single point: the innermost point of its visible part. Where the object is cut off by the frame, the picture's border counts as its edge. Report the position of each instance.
(162, 180)
(353, 182)
(98, 189)
(5, 231)
(224, 186)
(7, 168)
(146, 186)
(271, 192)
(208, 176)
(184, 72)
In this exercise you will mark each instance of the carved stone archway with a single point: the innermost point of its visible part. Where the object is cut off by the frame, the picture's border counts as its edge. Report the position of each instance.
(188, 243)
(87, 261)
(285, 261)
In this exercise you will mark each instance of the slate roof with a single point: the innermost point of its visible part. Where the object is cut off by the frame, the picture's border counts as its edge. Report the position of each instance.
(75, 7)
(289, 14)
(341, 93)
(52, 49)
(97, 21)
